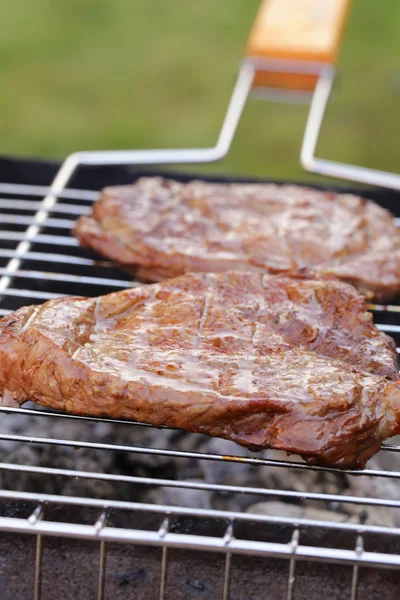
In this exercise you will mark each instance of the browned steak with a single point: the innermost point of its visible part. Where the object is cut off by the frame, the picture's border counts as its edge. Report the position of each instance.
(159, 228)
(266, 361)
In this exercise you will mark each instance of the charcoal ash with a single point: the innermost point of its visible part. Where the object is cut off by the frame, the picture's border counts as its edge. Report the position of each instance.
(180, 497)
(235, 473)
(285, 510)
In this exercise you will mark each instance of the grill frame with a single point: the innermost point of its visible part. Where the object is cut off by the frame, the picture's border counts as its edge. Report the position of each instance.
(32, 238)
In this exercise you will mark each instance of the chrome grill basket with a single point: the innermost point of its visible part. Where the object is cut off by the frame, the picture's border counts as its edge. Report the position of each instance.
(92, 508)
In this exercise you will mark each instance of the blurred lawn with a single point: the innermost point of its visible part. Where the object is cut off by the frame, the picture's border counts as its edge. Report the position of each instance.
(95, 74)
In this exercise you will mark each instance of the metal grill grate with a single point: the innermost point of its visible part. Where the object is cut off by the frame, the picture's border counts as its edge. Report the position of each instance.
(39, 259)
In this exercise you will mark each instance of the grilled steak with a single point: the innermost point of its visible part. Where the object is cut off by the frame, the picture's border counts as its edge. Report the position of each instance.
(160, 228)
(266, 361)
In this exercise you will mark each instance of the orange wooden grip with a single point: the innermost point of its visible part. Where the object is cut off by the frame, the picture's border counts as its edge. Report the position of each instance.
(297, 30)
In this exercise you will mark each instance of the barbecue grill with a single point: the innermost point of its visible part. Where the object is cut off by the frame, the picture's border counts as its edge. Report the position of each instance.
(141, 529)
(265, 551)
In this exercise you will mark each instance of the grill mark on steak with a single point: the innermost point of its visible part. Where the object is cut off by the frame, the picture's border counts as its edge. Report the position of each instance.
(31, 318)
(266, 361)
(159, 228)
(207, 301)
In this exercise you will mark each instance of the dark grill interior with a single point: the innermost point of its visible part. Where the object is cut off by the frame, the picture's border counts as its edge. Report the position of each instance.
(95, 508)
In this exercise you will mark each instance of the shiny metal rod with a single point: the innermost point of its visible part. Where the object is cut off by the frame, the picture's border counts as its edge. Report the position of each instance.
(328, 167)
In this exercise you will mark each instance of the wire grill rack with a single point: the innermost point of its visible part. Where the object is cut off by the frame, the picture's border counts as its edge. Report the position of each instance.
(39, 260)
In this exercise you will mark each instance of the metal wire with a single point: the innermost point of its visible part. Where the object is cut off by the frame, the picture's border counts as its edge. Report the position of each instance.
(328, 167)
(228, 537)
(19, 189)
(16, 293)
(196, 455)
(197, 512)
(77, 279)
(355, 578)
(98, 526)
(38, 238)
(31, 206)
(102, 571)
(32, 520)
(57, 258)
(41, 412)
(164, 559)
(188, 541)
(37, 589)
(294, 544)
(22, 220)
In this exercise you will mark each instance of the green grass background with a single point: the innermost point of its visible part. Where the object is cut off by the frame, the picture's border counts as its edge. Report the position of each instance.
(100, 74)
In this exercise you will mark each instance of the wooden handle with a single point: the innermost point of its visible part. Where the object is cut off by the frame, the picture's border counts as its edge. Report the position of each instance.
(297, 30)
